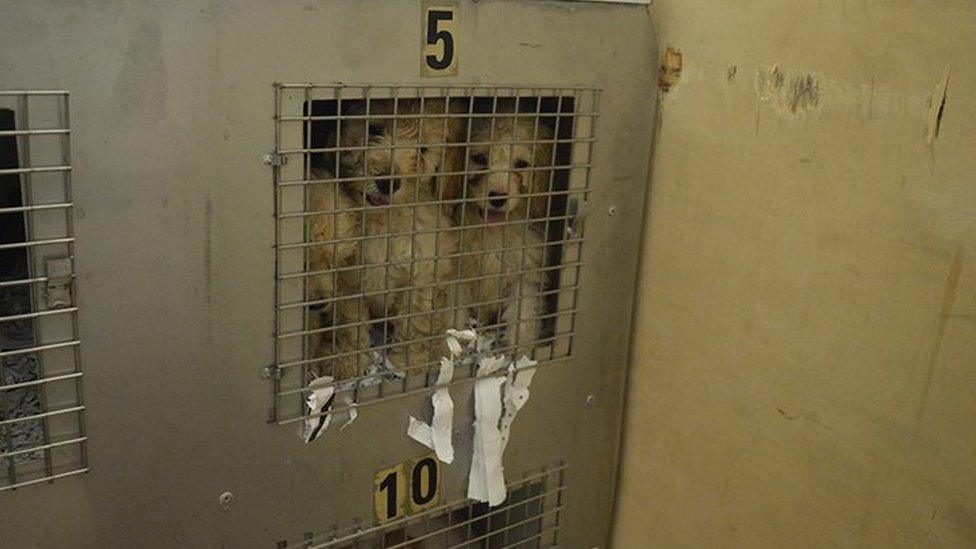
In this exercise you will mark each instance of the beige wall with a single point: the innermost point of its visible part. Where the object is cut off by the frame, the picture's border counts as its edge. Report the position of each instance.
(804, 359)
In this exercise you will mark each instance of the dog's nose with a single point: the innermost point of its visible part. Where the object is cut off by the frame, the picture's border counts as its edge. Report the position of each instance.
(497, 200)
(388, 186)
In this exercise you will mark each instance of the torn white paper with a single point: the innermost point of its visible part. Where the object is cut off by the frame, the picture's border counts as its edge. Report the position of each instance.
(516, 393)
(496, 403)
(438, 435)
(486, 480)
(323, 396)
(320, 397)
(421, 432)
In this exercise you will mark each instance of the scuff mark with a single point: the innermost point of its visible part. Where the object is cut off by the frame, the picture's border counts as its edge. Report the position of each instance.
(731, 73)
(792, 91)
(871, 100)
(671, 65)
(936, 107)
(769, 83)
(945, 312)
(804, 93)
(140, 86)
(786, 414)
(208, 248)
(529, 45)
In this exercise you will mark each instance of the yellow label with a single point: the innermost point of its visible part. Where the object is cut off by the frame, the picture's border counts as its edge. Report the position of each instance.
(438, 39)
(425, 483)
(414, 484)
(389, 492)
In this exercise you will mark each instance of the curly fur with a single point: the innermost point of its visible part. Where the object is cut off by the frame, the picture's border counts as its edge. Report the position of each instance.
(502, 285)
(405, 271)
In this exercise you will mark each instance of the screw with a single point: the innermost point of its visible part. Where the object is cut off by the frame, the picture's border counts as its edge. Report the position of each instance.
(267, 159)
(612, 211)
(225, 499)
(590, 398)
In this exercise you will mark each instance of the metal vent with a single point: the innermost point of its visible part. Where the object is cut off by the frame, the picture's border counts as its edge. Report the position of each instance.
(402, 211)
(42, 431)
(529, 518)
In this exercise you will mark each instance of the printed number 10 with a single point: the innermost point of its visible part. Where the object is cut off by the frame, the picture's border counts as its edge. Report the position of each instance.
(393, 484)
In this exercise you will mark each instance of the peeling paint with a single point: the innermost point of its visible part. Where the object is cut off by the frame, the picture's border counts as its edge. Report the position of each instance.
(671, 64)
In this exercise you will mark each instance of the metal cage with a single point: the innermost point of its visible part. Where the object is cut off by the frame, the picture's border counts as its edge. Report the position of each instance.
(529, 518)
(206, 195)
(42, 430)
(369, 275)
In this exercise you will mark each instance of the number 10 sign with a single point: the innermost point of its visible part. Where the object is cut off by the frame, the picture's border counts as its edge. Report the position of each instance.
(438, 39)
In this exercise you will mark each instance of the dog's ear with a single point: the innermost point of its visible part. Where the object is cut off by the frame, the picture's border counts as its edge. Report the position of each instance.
(542, 179)
(449, 185)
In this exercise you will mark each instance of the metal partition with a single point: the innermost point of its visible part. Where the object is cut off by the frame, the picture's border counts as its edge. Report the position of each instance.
(196, 322)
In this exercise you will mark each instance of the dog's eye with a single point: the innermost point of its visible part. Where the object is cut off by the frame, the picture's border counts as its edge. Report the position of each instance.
(375, 130)
(479, 159)
(521, 164)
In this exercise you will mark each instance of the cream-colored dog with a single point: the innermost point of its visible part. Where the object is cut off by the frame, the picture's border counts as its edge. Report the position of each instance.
(502, 243)
(392, 166)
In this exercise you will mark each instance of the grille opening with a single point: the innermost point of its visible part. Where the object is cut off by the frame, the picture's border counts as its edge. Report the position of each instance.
(404, 212)
(528, 519)
(16, 300)
(41, 426)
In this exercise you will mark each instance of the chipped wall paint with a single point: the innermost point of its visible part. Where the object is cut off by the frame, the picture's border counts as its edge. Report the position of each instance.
(671, 67)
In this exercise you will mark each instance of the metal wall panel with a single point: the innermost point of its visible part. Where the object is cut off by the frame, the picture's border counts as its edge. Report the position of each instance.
(172, 108)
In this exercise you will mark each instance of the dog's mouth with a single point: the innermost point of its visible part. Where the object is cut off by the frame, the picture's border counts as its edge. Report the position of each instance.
(493, 217)
(380, 191)
(378, 199)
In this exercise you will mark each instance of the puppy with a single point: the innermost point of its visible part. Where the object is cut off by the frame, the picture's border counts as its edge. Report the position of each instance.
(502, 247)
(391, 166)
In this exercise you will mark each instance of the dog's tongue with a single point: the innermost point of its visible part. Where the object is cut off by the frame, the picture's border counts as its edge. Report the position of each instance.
(493, 217)
(377, 199)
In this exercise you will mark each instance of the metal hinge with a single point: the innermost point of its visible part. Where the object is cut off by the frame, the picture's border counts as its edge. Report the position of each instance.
(58, 290)
(576, 212)
(274, 159)
(271, 372)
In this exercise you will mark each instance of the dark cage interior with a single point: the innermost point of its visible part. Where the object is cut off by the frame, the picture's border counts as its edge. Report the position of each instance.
(15, 300)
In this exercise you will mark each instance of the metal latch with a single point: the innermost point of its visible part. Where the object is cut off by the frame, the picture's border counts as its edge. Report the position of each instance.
(274, 159)
(576, 213)
(58, 291)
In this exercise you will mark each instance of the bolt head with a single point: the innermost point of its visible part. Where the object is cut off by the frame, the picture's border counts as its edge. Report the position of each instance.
(225, 499)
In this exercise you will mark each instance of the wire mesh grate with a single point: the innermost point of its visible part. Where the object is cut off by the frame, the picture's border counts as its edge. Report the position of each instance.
(42, 431)
(529, 518)
(403, 211)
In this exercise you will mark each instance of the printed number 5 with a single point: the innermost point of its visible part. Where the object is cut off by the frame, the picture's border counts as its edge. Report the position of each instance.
(434, 18)
(440, 47)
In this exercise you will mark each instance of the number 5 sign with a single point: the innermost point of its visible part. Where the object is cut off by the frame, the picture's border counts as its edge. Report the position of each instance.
(438, 40)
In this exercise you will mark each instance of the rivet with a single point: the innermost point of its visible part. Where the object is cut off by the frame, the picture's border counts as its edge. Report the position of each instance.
(225, 499)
